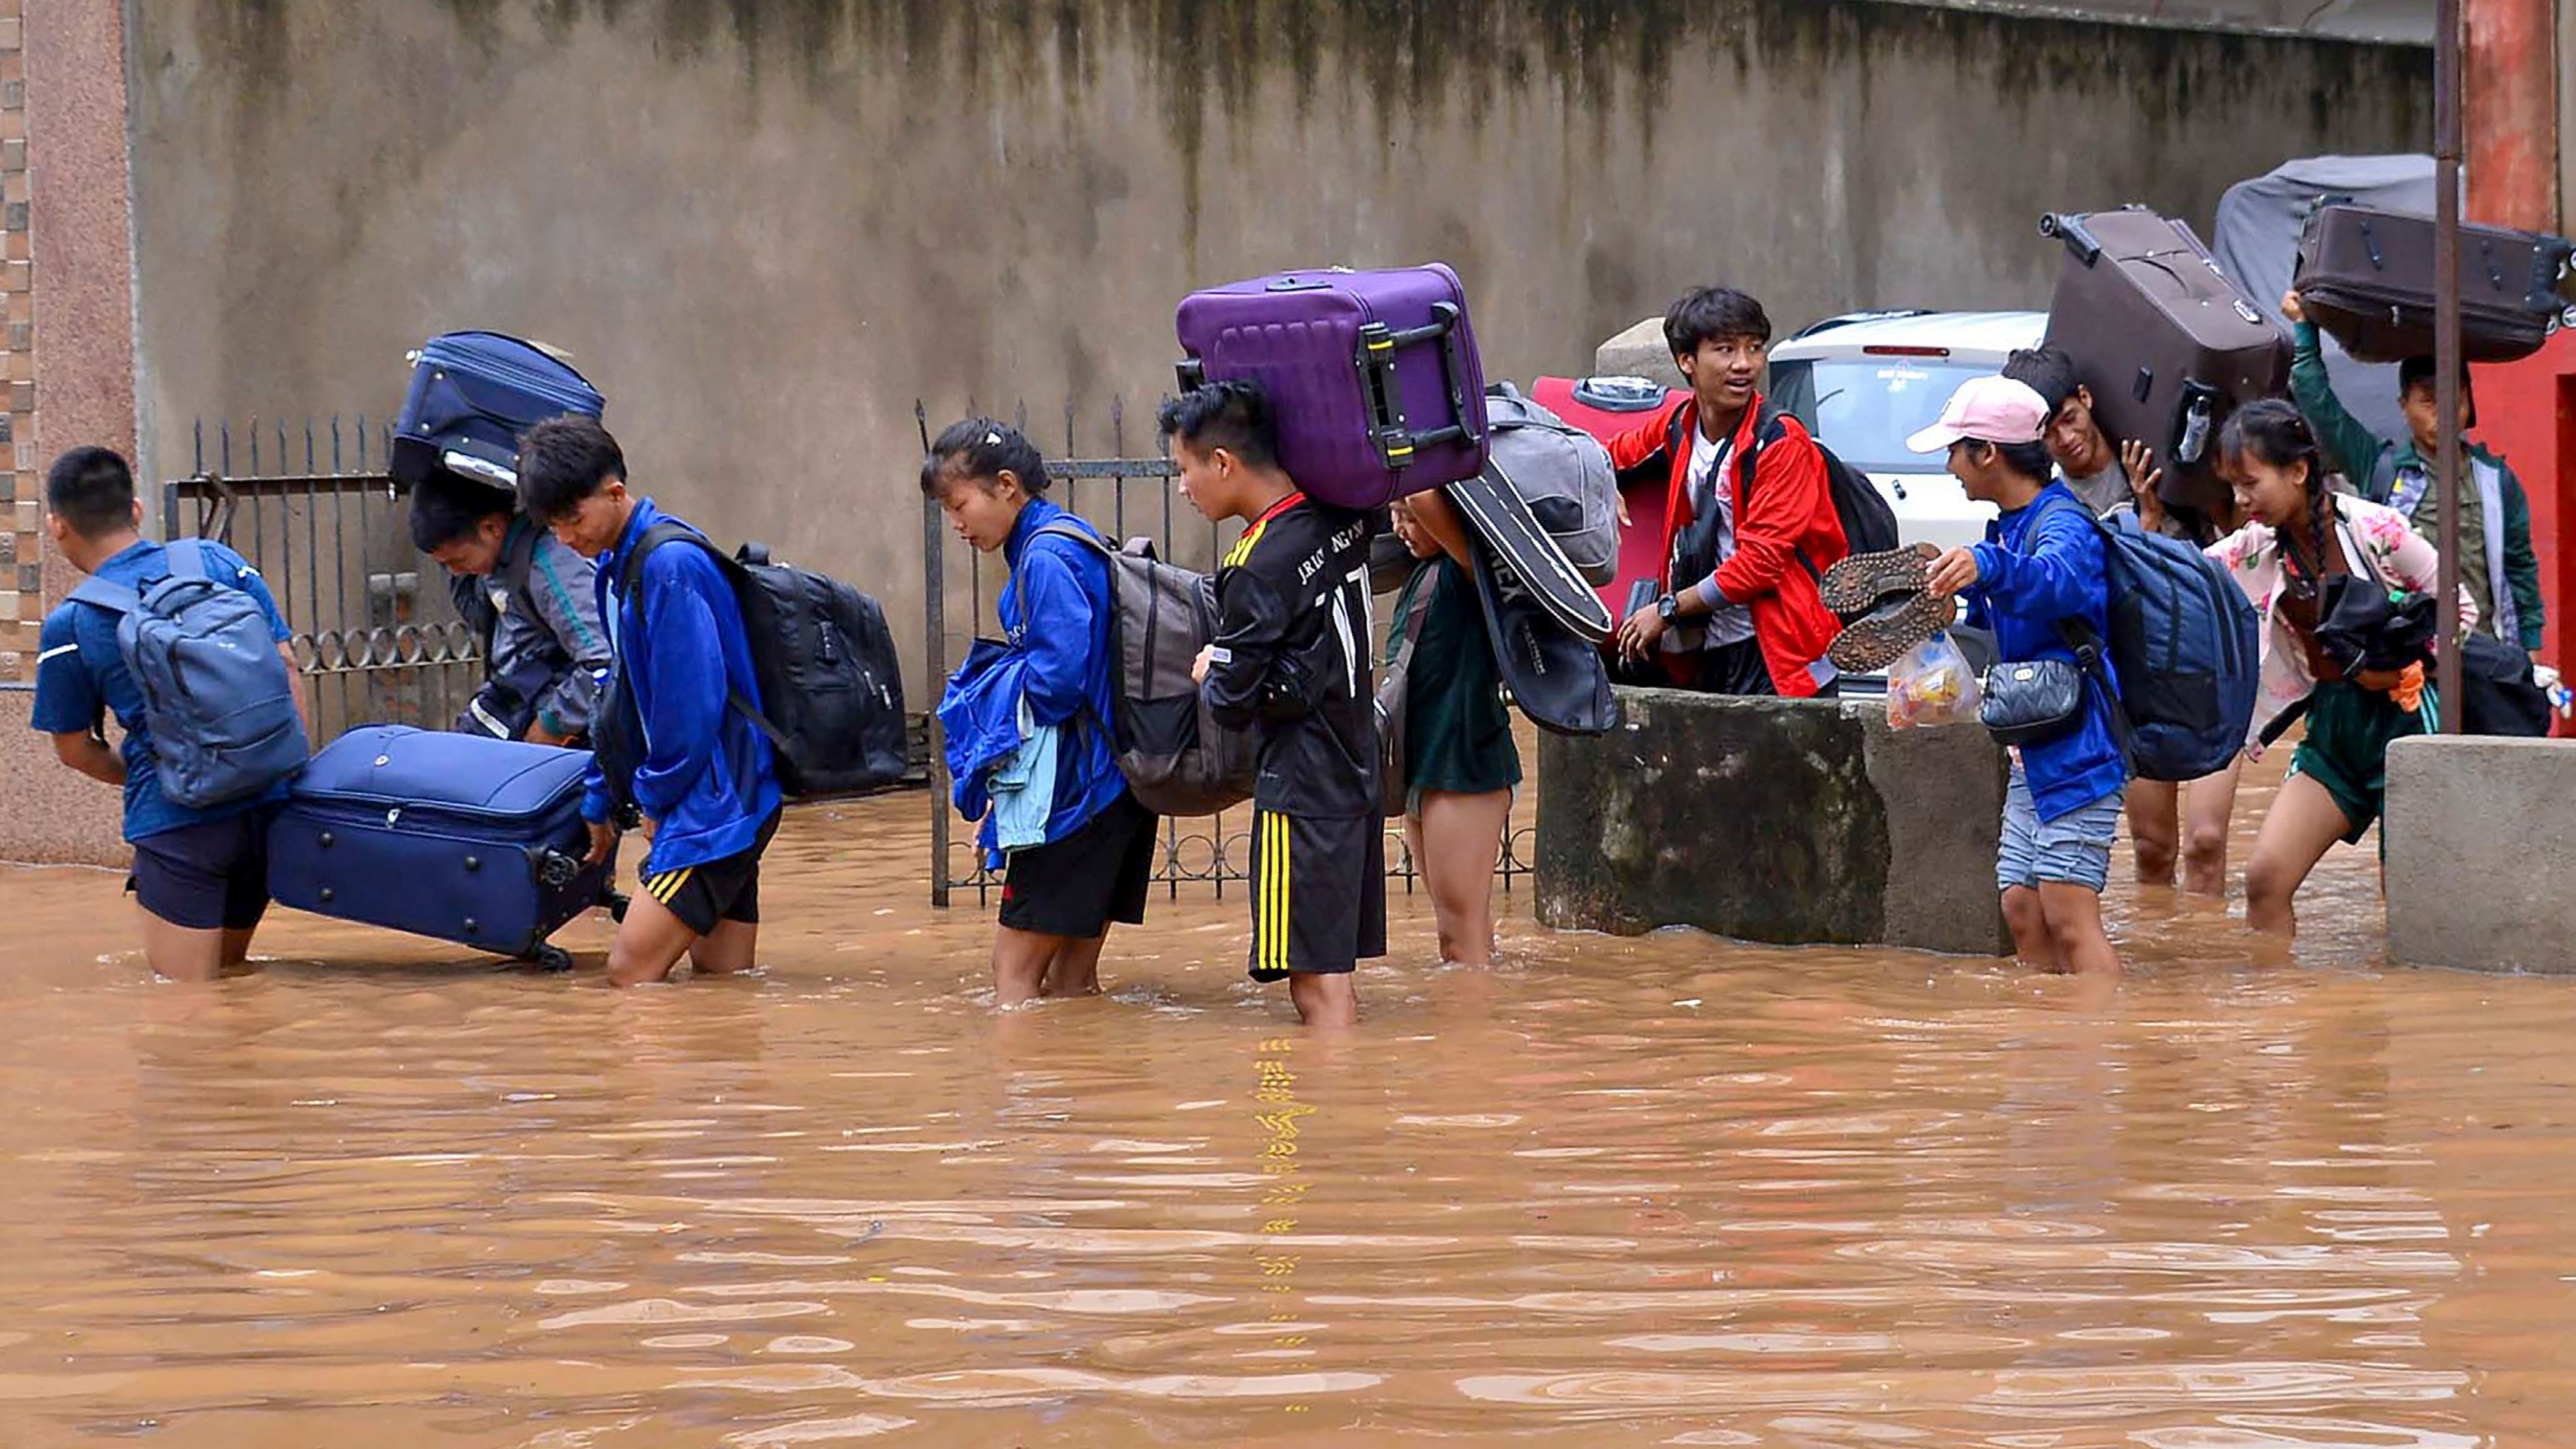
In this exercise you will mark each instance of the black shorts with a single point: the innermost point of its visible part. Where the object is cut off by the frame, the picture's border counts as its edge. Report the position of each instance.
(1318, 893)
(1078, 885)
(706, 896)
(212, 876)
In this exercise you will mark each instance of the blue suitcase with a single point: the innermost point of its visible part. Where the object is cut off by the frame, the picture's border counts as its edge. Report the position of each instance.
(463, 837)
(472, 395)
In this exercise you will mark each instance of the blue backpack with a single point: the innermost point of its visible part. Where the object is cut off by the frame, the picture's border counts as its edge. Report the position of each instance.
(216, 696)
(2185, 648)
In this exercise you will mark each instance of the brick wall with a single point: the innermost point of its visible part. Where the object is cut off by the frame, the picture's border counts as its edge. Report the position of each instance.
(21, 566)
(66, 336)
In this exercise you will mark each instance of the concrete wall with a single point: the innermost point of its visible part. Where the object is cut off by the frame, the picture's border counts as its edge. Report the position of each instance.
(67, 279)
(2481, 875)
(765, 227)
(1793, 822)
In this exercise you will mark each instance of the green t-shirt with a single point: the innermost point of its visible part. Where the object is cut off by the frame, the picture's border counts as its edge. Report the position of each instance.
(1457, 730)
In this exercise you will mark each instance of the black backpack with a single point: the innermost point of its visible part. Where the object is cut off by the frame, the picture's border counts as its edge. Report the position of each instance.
(1869, 523)
(831, 694)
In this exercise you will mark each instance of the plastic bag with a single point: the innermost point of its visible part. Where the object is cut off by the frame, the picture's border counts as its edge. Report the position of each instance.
(1932, 685)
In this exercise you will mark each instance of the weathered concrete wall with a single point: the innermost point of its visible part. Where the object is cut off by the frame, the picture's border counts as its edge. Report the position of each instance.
(766, 226)
(67, 281)
(1792, 822)
(2481, 874)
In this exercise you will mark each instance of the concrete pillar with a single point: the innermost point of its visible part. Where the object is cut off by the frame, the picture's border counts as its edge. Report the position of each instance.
(67, 279)
(2481, 873)
(2511, 118)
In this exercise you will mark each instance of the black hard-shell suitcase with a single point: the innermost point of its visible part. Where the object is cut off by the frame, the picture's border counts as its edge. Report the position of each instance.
(2167, 344)
(459, 836)
(2366, 275)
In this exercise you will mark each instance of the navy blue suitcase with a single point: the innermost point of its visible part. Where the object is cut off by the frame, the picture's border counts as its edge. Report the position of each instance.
(463, 837)
(472, 395)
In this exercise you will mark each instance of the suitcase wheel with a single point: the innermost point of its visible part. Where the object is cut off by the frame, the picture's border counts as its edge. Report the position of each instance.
(551, 958)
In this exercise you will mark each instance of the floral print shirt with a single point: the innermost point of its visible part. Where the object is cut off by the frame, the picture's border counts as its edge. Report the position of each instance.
(2376, 539)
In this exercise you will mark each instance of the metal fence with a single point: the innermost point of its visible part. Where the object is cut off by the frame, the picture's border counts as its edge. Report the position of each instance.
(311, 507)
(1126, 492)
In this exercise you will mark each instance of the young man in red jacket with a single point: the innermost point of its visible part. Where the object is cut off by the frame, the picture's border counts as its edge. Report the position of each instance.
(1744, 547)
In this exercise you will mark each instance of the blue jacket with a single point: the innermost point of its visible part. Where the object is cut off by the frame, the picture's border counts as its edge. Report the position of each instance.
(2040, 565)
(706, 780)
(979, 722)
(1057, 611)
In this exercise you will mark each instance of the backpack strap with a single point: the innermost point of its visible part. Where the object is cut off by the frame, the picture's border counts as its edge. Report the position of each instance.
(630, 579)
(187, 560)
(1766, 423)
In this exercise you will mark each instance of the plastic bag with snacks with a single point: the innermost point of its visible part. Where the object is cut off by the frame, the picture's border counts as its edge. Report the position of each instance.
(1932, 685)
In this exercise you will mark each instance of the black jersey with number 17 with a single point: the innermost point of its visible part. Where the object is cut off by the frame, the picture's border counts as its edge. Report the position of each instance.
(1292, 658)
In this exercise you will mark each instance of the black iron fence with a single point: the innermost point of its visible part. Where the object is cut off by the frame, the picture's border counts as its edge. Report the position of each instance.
(1123, 486)
(311, 507)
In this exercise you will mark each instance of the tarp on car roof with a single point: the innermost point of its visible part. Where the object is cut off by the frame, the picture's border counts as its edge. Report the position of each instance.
(2256, 242)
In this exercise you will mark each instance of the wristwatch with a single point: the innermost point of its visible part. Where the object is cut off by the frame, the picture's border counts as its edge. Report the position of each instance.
(1666, 607)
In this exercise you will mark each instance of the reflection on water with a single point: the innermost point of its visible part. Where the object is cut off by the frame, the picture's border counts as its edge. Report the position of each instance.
(1666, 1191)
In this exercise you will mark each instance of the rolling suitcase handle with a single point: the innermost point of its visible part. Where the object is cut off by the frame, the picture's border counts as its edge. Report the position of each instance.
(2070, 229)
(1378, 345)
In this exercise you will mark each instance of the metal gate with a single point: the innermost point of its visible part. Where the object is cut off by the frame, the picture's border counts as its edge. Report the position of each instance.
(1125, 494)
(375, 628)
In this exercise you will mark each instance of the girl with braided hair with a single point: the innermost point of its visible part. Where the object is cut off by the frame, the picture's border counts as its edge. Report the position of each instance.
(2300, 532)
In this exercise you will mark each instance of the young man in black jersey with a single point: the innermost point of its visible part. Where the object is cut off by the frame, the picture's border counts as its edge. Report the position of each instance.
(1291, 659)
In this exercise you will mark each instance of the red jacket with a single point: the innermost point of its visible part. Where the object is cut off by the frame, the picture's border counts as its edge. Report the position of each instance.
(1784, 540)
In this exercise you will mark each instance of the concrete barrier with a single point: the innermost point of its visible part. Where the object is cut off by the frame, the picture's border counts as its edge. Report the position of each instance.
(1790, 822)
(1639, 352)
(2481, 872)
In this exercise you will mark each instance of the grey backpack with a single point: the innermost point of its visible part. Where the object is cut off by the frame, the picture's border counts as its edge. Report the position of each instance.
(1177, 760)
(1563, 474)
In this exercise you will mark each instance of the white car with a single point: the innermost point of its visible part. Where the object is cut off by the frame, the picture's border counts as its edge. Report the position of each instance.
(1865, 382)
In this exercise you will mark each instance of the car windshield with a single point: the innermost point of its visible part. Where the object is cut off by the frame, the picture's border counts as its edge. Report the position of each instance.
(1864, 408)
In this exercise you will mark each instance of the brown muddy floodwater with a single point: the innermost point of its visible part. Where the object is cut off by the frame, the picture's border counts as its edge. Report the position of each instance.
(1668, 1191)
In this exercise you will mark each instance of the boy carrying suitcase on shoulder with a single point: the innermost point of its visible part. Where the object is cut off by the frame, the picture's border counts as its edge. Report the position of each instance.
(694, 766)
(531, 601)
(1291, 659)
(200, 873)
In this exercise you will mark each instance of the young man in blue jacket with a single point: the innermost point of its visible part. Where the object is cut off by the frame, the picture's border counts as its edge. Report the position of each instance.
(2040, 567)
(696, 769)
(1095, 861)
(200, 876)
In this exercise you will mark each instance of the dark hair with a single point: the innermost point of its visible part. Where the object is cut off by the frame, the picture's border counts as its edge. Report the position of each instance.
(563, 461)
(983, 449)
(92, 490)
(445, 508)
(2417, 372)
(2030, 460)
(2046, 370)
(1234, 415)
(1706, 313)
(2273, 430)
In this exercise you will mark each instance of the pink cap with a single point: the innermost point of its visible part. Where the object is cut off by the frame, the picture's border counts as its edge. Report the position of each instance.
(1990, 410)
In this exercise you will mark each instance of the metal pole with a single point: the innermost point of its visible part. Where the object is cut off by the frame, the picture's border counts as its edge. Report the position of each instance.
(2446, 342)
(934, 617)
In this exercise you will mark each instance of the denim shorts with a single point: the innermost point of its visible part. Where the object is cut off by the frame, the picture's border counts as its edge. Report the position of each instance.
(2073, 849)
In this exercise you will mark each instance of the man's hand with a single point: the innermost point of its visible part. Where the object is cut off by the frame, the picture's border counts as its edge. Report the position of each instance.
(1199, 667)
(650, 827)
(2293, 308)
(1953, 574)
(1643, 631)
(2139, 462)
(603, 839)
(538, 734)
(2381, 681)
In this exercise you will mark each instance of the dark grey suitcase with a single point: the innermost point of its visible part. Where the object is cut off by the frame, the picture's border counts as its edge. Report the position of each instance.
(2366, 275)
(2168, 345)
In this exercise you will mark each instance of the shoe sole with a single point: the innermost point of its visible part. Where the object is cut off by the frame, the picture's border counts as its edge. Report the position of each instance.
(1881, 637)
(1863, 581)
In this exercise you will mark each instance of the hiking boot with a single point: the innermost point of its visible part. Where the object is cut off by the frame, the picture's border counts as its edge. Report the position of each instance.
(1880, 637)
(1863, 581)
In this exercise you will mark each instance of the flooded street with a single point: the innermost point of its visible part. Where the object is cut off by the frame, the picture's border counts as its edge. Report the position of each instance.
(1666, 1191)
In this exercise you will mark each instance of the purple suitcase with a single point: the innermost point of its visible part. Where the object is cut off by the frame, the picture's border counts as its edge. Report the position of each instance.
(1374, 375)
